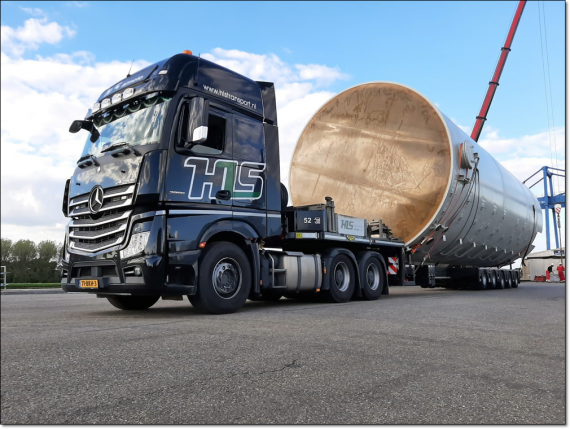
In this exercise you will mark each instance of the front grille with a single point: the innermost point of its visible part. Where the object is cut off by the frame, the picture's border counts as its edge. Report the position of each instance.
(113, 198)
(107, 217)
(117, 190)
(98, 231)
(91, 233)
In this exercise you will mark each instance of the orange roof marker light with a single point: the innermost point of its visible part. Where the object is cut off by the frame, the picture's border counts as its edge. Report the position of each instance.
(186, 51)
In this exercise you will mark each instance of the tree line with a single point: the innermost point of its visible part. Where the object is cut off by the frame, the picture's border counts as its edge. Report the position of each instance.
(28, 262)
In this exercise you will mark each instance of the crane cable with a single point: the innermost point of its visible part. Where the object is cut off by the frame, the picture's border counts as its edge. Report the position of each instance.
(550, 115)
(549, 109)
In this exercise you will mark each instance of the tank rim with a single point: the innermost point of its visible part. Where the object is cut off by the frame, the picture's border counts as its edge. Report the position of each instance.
(442, 119)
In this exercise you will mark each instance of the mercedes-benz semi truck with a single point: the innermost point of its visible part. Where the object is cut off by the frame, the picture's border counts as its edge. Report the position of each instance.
(177, 192)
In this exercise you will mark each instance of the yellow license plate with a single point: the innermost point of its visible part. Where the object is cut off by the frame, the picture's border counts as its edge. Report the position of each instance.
(88, 284)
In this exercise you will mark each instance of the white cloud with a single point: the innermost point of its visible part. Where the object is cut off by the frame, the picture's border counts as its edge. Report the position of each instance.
(15, 41)
(537, 145)
(39, 154)
(322, 74)
(291, 82)
(525, 155)
(33, 11)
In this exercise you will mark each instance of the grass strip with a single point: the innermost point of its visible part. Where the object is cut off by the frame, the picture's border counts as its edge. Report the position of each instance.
(32, 285)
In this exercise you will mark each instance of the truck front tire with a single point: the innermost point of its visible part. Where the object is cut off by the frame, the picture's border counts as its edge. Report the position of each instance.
(132, 302)
(341, 280)
(224, 279)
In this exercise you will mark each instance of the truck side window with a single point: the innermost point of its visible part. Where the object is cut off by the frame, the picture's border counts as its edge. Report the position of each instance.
(214, 144)
(248, 139)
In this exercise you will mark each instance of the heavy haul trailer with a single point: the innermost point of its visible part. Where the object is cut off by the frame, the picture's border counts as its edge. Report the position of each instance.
(177, 192)
(382, 147)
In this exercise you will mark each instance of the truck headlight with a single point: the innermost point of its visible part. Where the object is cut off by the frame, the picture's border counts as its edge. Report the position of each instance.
(136, 244)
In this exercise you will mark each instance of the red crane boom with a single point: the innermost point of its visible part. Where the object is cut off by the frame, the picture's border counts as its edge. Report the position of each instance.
(482, 117)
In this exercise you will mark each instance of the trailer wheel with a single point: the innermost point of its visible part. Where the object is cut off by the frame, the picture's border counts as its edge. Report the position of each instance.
(508, 279)
(492, 280)
(516, 279)
(341, 280)
(132, 302)
(483, 280)
(224, 279)
(500, 283)
(372, 278)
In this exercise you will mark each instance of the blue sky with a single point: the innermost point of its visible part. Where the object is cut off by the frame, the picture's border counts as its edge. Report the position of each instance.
(447, 50)
(61, 55)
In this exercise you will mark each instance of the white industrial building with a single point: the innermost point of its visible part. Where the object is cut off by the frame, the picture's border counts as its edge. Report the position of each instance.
(537, 263)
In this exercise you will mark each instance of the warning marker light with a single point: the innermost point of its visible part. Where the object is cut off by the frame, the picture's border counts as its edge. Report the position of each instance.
(186, 51)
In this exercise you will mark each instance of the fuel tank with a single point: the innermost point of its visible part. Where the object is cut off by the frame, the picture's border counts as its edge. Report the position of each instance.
(382, 150)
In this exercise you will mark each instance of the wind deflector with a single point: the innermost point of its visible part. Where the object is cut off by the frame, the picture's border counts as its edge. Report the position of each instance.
(269, 104)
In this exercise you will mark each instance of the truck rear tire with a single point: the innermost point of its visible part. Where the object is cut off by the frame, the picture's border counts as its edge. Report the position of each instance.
(372, 278)
(341, 280)
(224, 279)
(132, 302)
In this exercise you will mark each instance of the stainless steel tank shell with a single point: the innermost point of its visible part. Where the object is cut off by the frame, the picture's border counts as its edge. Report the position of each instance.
(384, 151)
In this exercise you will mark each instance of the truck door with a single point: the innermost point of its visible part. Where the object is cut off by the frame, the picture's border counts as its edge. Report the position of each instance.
(202, 175)
(249, 196)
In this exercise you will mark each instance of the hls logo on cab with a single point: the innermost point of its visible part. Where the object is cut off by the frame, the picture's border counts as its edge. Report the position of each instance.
(244, 180)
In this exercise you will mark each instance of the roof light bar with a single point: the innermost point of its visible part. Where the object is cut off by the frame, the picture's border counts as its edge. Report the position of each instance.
(128, 93)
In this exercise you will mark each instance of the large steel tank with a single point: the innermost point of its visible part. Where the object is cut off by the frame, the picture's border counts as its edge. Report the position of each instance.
(384, 151)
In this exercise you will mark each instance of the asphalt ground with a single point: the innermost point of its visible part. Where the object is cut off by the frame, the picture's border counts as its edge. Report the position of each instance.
(416, 356)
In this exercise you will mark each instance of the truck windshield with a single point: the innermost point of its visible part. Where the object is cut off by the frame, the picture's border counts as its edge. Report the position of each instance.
(137, 122)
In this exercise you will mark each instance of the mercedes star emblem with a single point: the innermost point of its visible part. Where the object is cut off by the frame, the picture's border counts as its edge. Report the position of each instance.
(96, 199)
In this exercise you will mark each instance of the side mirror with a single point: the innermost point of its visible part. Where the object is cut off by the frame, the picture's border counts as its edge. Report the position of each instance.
(198, 121)
(78, 125)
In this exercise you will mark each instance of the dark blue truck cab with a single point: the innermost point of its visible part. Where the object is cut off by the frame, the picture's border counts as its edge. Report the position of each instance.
(177, 192)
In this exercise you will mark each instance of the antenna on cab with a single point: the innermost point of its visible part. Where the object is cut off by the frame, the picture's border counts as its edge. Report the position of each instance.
(130, 68)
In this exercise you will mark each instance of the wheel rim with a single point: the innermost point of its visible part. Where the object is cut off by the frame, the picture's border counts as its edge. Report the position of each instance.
(341, 276)
(226, 278)
(373, 277)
